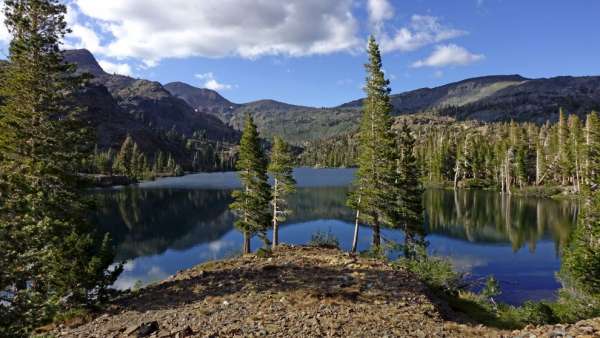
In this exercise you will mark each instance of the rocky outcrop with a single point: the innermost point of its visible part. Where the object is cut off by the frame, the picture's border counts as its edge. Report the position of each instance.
(295, 292)
(116, 106)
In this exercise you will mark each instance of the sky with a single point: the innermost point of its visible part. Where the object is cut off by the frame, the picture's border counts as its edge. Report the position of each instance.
(311, 52)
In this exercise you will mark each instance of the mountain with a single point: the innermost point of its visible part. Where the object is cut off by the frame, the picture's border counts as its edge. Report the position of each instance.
(206, 100)
(185, 108)
(118, 105)
(296, 123)
(502, 98)
(488, 98)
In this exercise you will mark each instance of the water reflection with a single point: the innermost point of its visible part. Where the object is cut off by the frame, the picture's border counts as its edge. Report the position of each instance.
(163, 227)
(489, 217)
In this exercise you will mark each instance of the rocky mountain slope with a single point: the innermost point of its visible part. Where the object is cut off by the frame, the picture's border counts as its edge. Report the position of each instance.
(296, 292)
(119, 105)
(296, 123)
(489, 98)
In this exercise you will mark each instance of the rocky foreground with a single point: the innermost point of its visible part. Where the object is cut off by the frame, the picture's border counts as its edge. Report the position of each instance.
(297, 292)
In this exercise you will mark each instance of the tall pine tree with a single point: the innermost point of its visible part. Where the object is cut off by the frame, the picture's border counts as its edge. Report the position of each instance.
(408, 213)
(376, 165)
(281, 169)
(251, 203)
(51, 259)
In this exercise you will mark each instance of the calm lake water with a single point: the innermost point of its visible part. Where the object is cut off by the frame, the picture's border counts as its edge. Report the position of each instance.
(175, 223)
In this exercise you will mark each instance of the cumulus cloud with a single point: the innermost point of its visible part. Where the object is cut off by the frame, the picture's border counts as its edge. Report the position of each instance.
(379, 11)
(423, 30)
(447, 55)
(152, 30)
(211, 82)
(5, 36)
(115, 68)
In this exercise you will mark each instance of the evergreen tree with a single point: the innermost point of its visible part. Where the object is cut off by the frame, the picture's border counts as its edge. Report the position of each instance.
(592, 149)
(281, 169)
(51, 259)
(123, 162)
(251, 203)
(376, 165)
(408, 213)
(580, 268)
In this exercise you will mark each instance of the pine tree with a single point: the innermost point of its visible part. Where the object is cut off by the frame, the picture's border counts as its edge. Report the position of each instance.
(51, 258)
(580, 268)
(251, 203)
(123, 162)
(592, 149)
(408, 212)
(281, 169)
(376, 165)
(563, 148)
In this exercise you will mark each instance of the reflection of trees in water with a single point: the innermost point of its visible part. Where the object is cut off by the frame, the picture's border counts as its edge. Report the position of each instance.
(319, 203)
(146, 221)
(149, 221)
(482, 216)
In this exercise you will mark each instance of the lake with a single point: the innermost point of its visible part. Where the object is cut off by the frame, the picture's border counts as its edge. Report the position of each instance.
(172, 224)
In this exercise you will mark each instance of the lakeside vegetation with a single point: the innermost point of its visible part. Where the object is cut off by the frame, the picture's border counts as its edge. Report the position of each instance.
(524, 158)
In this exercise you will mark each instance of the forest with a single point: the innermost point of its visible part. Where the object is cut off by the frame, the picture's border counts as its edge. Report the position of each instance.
(502, 156)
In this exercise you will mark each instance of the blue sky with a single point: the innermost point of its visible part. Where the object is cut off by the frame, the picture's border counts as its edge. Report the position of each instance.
(311, 52)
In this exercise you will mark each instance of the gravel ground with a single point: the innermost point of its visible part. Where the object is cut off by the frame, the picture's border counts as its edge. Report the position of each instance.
(297, 292)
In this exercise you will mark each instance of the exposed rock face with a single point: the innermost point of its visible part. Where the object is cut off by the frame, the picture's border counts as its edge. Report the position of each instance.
(119, 105)
(489, 98)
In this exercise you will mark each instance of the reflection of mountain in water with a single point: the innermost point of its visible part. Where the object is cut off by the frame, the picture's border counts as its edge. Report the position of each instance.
(149, 221)
(490, 217)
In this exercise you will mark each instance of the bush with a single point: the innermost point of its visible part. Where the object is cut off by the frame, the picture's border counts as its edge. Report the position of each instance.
(264, 252)
(438, 273)
(324, 240)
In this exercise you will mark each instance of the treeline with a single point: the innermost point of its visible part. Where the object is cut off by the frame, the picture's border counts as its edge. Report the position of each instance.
(504, 156)
(132, 162)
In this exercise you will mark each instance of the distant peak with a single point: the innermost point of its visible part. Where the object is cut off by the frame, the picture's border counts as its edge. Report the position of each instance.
(85, 61)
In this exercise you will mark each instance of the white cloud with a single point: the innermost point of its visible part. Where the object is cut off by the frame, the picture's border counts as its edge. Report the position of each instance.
(423, 30)
(5, 36)
(211, 83)
(152, 30)
(379, 11)
(115, 68)
(447, 55)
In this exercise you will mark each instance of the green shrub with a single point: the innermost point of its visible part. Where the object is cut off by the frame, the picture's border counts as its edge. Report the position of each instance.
(438, 273)
(264, 252)
(324, 240)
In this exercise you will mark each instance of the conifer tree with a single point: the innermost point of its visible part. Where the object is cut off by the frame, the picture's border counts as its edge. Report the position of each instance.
(580, 268)
(376, 164)
(251, 203)
(281, 169)
(408, 213)
(563, 147)
(123, 162)
(592, 149)
(51, 258)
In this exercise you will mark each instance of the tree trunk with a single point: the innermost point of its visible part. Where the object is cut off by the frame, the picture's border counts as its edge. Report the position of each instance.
(246, 247)
(275, 225)
(456, 174)
(355, 238)
(376, 235)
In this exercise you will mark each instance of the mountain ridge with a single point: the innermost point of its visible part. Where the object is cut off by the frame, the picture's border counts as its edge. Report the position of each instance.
(489, 98)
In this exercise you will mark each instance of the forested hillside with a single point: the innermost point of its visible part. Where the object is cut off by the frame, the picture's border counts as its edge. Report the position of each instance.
(158, 123)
